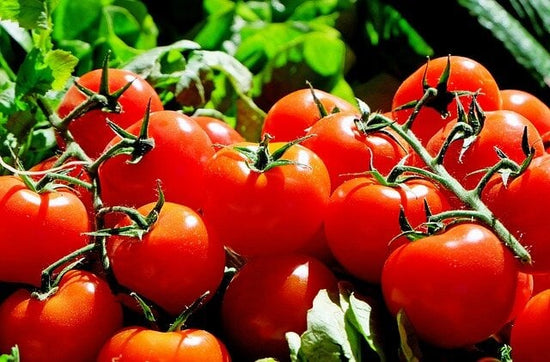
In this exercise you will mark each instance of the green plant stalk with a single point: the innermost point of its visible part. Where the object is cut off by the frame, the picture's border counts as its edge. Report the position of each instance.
(470, 198)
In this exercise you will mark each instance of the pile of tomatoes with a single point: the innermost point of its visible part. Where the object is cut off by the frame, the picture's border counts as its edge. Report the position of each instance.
(156, 235)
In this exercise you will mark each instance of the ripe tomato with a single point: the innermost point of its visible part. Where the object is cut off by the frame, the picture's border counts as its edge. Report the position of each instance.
(174, 263)
(177, 160)
(91, 130)
(37, 229)
(71, 324)
(268, 297)
(346, 150)
(502, 129)
(529, 106)
(457, 288)
(516, 204)
(529, 335)
(220, 132)
(141, 344)
(363, 218)
(291, 116)
(277, 210)
(465, 75)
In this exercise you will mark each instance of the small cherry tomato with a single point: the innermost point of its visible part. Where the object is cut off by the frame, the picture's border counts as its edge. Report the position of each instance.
(529, 106)
(220, 132)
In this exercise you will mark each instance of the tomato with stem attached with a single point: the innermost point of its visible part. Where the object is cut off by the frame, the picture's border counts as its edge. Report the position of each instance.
(69, 324)
(456, 287)
(90, 129)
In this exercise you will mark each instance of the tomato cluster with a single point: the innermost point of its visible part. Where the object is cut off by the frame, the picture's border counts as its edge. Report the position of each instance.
(157, 235)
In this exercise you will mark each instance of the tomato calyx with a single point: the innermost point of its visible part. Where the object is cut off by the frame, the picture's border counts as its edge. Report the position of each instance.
(437, 97)
(262, 159)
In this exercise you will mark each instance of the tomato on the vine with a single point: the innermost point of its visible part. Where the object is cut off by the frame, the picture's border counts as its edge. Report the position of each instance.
(69, 325)
(292, 115)
(456, 288)
(181, 150)
(142, 344)
(220, 132)
(91, 130)
(37, 229)
(502, 129)
(174, 263)
(268, 297)
(466, 74)
(346, 150)
(259, 207)
(529, 106)
(517, 203)
(363, 219)
(529, 334)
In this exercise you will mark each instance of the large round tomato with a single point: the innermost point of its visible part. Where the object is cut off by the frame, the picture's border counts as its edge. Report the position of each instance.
(70, 325)
(517, 203)
(268, 297)
(174, 263)
(502, 129)
(291, 116)
(274, 210)
(142, 344)
(465, 75)
(529, 106)
(178, 159)
(91, 130)
(363, 219)
(346, 150)
(529, 335)
(457, 288)
(37, 229)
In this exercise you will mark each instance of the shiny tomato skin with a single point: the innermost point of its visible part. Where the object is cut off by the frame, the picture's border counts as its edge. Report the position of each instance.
(503, 129)
(515, 203)
(178, 159)
(271, 212)
(268, 297)
(91, 130)
(529, 334)
(219, 132)
(71, 324)
(362, 221)
(37, 229)
(140, 344)
(529, 106)
(291, 116)
(346, 151)
(174, 263)
(466, 74)
(457, 288)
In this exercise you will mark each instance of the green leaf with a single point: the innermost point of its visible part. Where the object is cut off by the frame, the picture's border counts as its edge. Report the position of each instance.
(17, 33)
(410, 349)
(30, 14)
(325, 54)
(12, 357)
(520, 43)
(360, 315)
(62, 64)
(66, 28)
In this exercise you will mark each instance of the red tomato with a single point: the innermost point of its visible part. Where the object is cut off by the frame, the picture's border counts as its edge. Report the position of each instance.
(529, 106)
(91, 130)
(70, 325)
(178, 159)
(268, 297)
(37, 229)
(291, 116)
(517, 204)
(141, 344)
(530, 331)
(174, 263)
(220, 132)
(502, 129)
(76, 171)
(457, 288)
(346, 150)
(277, 210)
(524, 292)
(541, 281)
(465, 75)
(363, 218)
